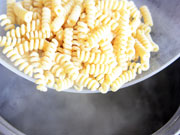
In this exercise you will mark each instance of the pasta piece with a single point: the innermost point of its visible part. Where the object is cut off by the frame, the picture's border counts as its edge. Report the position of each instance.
(142, 52)
(81, 30)
(23, 29)
(146, 15)
(27, 4)
(57, 7)
(40, 79)
(39, 3)
(34, 59)
(46, 19)
(5, 21)
(49, 78)
(74, 16)
(26, 46)
(144, 40)
(10, 11)
(96, 69)
(37, 34)
(56, 70)
(125, 77)
(95, 58)
(85, 81)
(8, 41)
(109, 78)
(49, 55)
(98, 35)
(68, 37)
(91, 11)
(22, 13)
(63, 84)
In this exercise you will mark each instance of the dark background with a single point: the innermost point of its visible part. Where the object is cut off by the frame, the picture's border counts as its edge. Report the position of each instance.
(137, 110)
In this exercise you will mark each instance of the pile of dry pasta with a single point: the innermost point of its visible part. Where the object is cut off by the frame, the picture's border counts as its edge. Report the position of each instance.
(98, 44)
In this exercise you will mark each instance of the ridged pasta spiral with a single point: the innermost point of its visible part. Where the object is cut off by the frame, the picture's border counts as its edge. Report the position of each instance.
(100, 78)
(27, 4)
(49, 55)
(49, 78)
(34, 44)
(8, 41)
(109, 78)
(114, 5)
(67, 42)
(98, 35)
(38, 3)
(46, 19)
(34, 59)
(125, 77)
(106, 47)
(47, 3)
(141, 50)
(57, 7)
(96, 69)
(145, 28)
(91, 11)
(63, 84)
(95, 58)
(40, 79)
(23, 29)
(10, 11)
(61, 58)
(5, 21)
(11, 53)
(56, 70)
(81, 30)
(22, 13)
(23, 65)
(74, 16)
(144, 40)
(71, 70)
(146, 15)
(86, 81)
(38, 34)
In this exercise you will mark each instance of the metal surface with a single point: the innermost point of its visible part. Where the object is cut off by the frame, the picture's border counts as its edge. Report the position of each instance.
(165, 32)
(141, 109)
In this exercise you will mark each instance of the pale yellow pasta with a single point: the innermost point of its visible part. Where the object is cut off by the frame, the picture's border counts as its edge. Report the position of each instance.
(74, 16)
(124, 78)
(5, 21)
(94, 44)
(46, 19)
(27, 4)
(95, 58)
(67, 42)
(22, 13)
(49, 55)
(85, 81)
(10, 11)
(146, 15)
(91, 11)
(57, 7)
(63, 84)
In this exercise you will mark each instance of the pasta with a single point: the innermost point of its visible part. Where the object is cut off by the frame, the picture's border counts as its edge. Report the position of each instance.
(146, 15)
(67, 42)
(46, 19)
(22, 13)
(5, 21)
(94, 44)
(10, 11)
